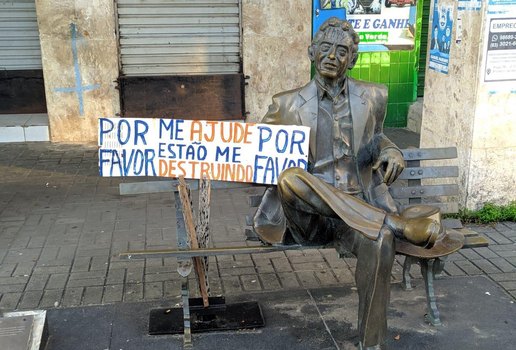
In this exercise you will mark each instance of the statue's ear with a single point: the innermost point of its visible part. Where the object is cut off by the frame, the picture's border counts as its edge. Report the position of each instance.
(311, 52)
(354, 61)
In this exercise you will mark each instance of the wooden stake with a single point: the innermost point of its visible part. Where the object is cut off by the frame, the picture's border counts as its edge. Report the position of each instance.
(190, 228)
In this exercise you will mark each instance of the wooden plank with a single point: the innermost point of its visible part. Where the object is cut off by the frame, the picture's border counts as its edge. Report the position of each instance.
(429, 153)
(179, 97)
(446, 208)
(194, 244)
(429, 172)
(22, 91)
(424, 191)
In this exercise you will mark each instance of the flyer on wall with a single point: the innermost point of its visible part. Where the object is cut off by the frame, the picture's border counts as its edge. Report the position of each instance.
(382, 24)
(441, 38)
(499, 56)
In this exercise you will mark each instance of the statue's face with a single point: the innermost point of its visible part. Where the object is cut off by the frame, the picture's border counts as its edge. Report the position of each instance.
(334, 54)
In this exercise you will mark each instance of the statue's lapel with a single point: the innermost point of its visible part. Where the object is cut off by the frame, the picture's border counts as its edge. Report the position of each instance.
(359, 112)
(307, 112)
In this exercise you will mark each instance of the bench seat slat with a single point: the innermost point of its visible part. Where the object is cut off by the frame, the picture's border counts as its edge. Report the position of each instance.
(424, 191)
(429, 172)
(429, 153)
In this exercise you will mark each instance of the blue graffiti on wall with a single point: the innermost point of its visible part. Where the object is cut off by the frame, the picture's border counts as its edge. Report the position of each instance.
(79, 89)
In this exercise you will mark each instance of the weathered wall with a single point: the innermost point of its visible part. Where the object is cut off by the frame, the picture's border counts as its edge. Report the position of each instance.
(94, 67)
(276, 35)
(457, 111)
(449, 101)
(492, 175)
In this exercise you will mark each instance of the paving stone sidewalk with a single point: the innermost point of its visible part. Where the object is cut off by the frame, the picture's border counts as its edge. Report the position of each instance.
(62, 227)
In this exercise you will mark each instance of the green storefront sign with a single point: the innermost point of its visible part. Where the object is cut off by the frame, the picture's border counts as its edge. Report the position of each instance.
(373, 37)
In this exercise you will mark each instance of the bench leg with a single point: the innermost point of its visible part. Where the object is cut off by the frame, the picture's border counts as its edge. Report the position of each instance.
(439, 267)
(406, 282)
(427, 270)
(185, 294)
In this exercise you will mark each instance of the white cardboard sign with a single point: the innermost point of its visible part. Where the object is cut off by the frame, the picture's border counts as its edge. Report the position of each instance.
(224, 151)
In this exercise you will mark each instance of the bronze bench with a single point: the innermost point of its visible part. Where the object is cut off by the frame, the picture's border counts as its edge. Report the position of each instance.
(438, 194)
(409, 191)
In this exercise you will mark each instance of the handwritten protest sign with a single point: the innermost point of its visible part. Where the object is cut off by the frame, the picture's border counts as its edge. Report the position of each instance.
(225, 151)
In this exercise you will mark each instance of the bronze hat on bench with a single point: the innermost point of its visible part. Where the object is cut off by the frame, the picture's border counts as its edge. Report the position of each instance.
(444, 243)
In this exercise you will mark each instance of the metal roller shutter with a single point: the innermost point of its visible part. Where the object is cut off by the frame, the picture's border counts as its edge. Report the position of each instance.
(179, 37)
(19, 37)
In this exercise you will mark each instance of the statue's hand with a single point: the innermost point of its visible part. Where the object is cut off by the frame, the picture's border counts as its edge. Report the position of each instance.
(393, 163)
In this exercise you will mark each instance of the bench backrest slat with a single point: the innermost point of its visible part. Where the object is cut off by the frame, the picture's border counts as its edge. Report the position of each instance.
(429, 172)
(424, 191)
(414, 192)
(429, 153)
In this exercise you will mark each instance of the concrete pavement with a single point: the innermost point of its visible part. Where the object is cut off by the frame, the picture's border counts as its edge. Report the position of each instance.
(62, 226)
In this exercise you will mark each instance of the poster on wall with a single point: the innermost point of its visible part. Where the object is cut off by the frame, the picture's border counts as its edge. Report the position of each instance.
(501, 50)
(498, 68)
(469, 5)
(382, 24)
(195, 149)
(501, 7)
(441, 38)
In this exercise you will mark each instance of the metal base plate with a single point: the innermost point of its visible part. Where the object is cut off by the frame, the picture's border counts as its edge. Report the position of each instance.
(219, 316)
(23, 330)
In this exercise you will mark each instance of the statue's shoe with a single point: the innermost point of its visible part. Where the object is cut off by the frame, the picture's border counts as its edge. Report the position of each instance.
(420, 225)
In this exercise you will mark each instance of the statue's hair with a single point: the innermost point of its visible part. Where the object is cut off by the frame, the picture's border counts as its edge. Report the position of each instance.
(345, 26)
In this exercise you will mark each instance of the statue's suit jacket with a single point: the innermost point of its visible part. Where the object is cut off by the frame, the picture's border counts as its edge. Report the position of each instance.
(368, 104)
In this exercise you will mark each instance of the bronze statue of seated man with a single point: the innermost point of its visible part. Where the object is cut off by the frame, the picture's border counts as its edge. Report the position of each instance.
(342, 197)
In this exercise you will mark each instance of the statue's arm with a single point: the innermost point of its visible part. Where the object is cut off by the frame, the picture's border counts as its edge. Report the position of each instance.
(386, 153)
(274, 113)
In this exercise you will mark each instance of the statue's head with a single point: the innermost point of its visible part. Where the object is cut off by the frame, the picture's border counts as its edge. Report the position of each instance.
(334, 48)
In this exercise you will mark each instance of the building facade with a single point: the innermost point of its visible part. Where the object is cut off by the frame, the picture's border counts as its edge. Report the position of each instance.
(79, 60)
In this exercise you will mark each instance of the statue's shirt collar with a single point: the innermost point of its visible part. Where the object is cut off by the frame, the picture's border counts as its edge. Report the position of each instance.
(324, 91)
